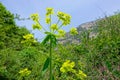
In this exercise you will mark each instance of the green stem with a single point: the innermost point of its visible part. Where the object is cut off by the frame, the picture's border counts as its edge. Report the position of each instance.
(58, 21)
(42, 26)
(50, 23)
(50, 58)
(59, 27)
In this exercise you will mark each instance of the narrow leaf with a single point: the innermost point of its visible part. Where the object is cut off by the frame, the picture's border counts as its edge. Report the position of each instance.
(47, 33)
(54, 40)
(46, 64)
(47, 38)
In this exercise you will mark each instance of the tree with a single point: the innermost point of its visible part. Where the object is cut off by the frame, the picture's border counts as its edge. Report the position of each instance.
(10, 34)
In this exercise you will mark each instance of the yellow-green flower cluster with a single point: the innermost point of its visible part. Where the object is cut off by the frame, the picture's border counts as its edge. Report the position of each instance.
(36, 26)
(61, 33)
(67, 66)
(48, 20)
(73, 31)
(25, 72)
(65, 18)
(54, 27)
(49, 11)
(35, 17)
(28, 38)
(81, 75)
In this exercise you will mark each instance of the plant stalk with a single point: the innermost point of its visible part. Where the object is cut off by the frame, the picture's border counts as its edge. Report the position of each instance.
(50, 58)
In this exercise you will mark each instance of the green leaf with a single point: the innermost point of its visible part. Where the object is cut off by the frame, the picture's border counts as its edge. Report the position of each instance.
(48, 33)
(51, 37)
(53, 77)
(109, 66)
(53, 40)
(46, 64)
(47, 38)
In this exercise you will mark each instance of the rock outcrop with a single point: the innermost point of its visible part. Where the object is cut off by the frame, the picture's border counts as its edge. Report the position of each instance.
(76, 39)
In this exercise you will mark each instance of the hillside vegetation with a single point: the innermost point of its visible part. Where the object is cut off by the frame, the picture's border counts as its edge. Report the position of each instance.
(98, 57)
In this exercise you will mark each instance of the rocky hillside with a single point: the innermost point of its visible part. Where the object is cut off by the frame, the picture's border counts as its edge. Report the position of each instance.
(76, 39)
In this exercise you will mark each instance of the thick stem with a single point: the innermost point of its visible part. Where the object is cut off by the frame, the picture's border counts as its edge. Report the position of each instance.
(50, 58)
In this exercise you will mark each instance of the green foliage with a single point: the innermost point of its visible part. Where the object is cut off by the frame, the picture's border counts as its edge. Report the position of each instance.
(10, 45)
(6, 18)
(13, 61)
(10, 34)
(102, 52)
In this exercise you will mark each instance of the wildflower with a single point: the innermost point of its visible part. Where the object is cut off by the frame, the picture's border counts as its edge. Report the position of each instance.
(67, 66)
(34, 41)
(49, 11)
(28, 36)
(60, 15)
(36, 26)
(73, 31)
(65, 18)
(25, 72)
(81, 75)
(54, 27)
(61, 33)
(48, 20)
(35, 17)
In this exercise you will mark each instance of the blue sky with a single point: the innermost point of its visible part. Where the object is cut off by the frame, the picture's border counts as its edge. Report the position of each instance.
(81, 10)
